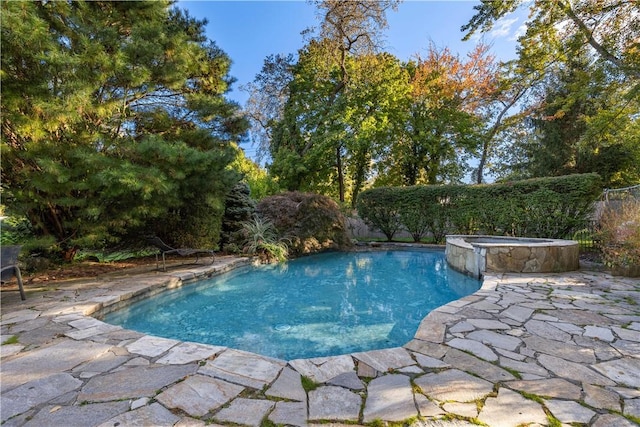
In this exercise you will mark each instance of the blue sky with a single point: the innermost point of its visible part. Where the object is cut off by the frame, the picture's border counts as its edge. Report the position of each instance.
(249, 31)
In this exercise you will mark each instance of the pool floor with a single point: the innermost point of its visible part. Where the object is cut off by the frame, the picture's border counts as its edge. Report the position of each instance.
(321, 305)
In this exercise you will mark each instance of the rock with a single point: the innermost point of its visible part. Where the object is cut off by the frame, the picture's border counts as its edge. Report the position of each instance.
(453, 385)
(510, 409)
(389, 398)
(334, 403)
(199, 394)
(249, 412)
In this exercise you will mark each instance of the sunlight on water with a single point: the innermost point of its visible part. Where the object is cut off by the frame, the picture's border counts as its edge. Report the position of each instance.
(319, 305)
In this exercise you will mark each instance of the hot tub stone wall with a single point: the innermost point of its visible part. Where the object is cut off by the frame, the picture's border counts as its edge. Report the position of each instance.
(546, 256)
(522, 259)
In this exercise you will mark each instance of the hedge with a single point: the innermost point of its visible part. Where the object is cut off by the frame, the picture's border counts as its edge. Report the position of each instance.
(553, 207)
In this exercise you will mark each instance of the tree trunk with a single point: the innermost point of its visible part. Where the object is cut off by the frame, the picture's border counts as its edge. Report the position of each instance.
(340, 174)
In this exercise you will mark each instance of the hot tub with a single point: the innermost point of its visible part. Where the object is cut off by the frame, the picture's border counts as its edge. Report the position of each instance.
(477, 255)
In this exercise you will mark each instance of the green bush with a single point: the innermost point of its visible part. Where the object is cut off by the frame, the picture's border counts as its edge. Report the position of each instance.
(553, 207)
(380, 208)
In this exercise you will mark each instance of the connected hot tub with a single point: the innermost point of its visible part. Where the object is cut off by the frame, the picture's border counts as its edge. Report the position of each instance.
(477, 255)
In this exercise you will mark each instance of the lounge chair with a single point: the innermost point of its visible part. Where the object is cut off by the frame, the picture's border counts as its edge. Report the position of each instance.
(168, 250)
(9, 266)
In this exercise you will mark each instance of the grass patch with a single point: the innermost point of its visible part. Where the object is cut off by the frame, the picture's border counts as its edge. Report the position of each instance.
(512, 372)
(632, 418)
(532, 396)
(13, 339)
(308, 384)
(266, 422)
(553, 421)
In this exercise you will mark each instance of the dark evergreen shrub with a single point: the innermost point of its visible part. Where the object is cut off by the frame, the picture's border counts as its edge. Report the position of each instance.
(239, 208)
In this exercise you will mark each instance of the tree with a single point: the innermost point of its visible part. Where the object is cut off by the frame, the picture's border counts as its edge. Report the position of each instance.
(441, 124)
(268, 94)
(591, 116)
(562, 28)
(567, 136)
(114, 122)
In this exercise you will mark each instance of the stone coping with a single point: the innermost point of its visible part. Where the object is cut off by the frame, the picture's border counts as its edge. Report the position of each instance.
(523, 348)
(470, 241)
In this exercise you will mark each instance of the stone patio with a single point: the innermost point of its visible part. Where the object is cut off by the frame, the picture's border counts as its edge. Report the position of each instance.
(523, 350)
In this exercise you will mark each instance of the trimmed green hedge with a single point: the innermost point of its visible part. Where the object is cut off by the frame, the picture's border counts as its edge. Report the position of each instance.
(552, 207)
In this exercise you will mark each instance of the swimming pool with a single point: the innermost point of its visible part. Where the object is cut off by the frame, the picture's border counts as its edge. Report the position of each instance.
(321, 305)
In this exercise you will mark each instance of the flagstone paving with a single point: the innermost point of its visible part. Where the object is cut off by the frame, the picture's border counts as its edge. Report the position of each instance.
(523, 350)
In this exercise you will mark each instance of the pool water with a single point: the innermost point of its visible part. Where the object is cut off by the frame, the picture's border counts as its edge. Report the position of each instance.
(321, 305)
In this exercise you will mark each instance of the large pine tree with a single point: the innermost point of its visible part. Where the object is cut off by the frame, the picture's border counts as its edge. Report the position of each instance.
(114, 122)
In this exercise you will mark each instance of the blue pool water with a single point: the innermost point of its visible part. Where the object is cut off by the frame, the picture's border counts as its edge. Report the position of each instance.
(320, 305)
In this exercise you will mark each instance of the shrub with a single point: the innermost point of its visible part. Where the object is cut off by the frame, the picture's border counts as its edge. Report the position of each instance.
(620, 238)
(309, 222)
(380, 208)
(261, 239)
(239, 208)
(544, 207)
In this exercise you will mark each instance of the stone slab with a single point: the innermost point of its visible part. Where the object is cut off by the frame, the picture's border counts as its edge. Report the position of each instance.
(430, 349)
(64, 355)
(152, 415)
(289, 414)
(623, 371)
(36, 392)
(567, 351)
(477, 348)
(334, 403)
(523, 367)
(610, 420)
(488, 324)
(510, 409)
(349, 380)
(389, 398)
(601, 398)
(632, 407)
(468, 410)
(199, 394)
(546, 330)
(552, 387)
(573, 371)
(518, 313)
(386, 359)
(453, 385)
(322, 369)
(151, 346)
(430, 362)
(103, 363)
(243, 368)
(569, 411)
(288, 386)
(141, 381)
(189, 352)
(483, 369)
(247, 412)
(427, 408)
(77, 415)
(603, 334)
(495, 339)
